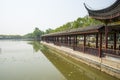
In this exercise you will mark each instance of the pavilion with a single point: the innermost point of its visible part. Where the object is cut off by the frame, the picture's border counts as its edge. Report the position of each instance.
(99, 40)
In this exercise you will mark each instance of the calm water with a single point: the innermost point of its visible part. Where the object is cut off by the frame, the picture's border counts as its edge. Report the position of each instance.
(22, 60)
(19, 61)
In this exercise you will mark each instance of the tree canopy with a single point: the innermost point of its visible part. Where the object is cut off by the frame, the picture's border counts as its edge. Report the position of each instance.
(80, 22)
(36, 34)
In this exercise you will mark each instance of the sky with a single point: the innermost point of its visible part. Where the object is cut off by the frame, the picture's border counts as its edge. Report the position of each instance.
(22, 16)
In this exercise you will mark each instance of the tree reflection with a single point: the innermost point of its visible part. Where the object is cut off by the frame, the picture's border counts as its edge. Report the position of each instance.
(0, 50)
(36, 45)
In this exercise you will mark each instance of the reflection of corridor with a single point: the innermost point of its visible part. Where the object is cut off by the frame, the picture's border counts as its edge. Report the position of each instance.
(68, 67)
(107, 64)
(0, 50)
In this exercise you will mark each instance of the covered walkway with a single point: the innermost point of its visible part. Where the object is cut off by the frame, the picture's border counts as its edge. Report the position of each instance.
(89, 40)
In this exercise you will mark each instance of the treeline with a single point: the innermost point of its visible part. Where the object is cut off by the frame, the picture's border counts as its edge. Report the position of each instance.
(80, 22)
(36, 34)
(10, 37)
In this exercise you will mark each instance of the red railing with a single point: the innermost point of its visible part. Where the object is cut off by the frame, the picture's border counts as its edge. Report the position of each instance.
(93, 51)
(79, 48)
(88, 50)
(111, 52)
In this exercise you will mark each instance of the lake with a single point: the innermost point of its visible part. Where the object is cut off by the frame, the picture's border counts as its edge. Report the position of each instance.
(27, 60)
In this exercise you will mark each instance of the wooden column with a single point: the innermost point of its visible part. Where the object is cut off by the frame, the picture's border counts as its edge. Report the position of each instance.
(106, 37)
(84, 43)
(97, 40)
(75, 40)
(53, 39)
(61, 39)
(100, 46)
(58, 40)
(114, 41)
(67, 40)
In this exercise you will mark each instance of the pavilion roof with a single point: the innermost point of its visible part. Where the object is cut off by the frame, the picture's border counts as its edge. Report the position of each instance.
(109, 14)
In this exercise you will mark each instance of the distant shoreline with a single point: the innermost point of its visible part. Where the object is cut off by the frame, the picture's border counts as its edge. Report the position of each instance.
(14, 39)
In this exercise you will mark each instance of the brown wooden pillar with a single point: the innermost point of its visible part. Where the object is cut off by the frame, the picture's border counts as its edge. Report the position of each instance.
(58, 40)
(96, 40)
(64, 38)
(114, 41)
(61, 39)
(67, 40)
(47, 39)
(100, 45)
(75, 40)
(84, 43)
(106, 37)
(53, 39)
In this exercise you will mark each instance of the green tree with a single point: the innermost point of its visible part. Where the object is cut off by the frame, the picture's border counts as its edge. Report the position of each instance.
(80, 22)
(37, 33)
(49, 31)
(28, 36)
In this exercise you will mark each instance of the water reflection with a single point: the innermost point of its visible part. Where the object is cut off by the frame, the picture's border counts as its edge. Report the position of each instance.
(0, 50)
(36, 45)
(71, 69)
(17, 62)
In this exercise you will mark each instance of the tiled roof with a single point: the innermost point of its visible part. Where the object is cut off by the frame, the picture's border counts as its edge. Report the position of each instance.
(80, 30)
(111, 12)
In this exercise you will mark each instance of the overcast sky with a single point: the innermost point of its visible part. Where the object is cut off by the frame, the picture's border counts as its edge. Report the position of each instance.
(22, 16)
